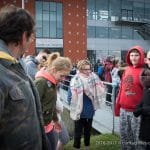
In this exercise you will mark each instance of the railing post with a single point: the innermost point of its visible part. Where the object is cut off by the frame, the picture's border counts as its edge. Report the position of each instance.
(23, 4)
(113, 105)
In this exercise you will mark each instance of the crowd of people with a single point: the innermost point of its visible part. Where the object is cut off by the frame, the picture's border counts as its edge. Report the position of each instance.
(30, 111)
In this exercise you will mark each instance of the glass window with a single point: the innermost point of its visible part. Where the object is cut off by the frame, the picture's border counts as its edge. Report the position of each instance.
(102, 15)
(127, 10)
(147, 33)
(91, 54)
(126, 32)
(59, 13)
(59, 20)
(136, 35)
(91, 31)
(147, 10)
(53, 24)
(115, 32)
(126, 4)
(101, 5)
(138, 11)
(97, 9)
(101, 32)
(102, 54)
(115, 11)
(46, 6)
(127, 14)
(90, 9)
(48, 19)
(38, 19)
(101, 10)
(39, 29)
(52, 6)
(59, 33)
(46, 23)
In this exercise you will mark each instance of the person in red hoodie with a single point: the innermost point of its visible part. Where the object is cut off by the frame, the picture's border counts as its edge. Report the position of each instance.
(130, 94)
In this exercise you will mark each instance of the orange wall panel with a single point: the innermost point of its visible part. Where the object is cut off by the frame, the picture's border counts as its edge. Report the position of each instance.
(74, 17)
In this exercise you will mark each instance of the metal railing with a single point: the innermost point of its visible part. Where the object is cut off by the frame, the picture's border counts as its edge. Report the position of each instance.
(64, 89)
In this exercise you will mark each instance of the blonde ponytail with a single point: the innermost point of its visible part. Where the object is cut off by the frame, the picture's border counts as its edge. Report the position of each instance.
(51, 58)
(58, 62)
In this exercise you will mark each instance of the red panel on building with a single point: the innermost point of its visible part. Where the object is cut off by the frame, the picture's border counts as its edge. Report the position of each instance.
(74, 26)
(75, 29)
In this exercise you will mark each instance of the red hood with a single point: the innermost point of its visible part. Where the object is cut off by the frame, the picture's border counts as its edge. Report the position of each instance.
(43, 73)
(141, 51)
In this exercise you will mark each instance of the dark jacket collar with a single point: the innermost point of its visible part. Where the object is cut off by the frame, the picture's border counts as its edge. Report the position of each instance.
(3, 47)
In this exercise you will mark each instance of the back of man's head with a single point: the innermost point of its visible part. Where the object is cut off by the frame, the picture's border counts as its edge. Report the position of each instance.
(42, 55)
(45, 51)
(14, 22)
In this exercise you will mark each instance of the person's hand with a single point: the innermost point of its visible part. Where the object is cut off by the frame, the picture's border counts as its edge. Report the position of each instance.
(57, 127)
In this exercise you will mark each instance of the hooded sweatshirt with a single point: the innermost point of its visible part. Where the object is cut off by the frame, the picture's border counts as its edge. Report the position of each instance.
(46, 85)
(131, 89)
(31, 66)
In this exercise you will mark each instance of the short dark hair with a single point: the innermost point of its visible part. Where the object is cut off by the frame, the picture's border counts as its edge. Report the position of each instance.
(134, 51)
(44, 51)
(115, 61)
(14, 22)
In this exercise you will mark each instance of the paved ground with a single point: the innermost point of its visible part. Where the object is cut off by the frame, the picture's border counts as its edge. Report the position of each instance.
(103, 120)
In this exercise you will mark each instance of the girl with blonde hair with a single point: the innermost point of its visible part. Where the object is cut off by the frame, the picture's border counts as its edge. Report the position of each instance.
(55, 70)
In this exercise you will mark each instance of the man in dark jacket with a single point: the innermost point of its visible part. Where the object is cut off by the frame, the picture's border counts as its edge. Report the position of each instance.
(21, 122)
(143, 109)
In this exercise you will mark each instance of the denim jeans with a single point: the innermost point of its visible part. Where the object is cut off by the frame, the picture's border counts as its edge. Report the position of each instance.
(52, 138)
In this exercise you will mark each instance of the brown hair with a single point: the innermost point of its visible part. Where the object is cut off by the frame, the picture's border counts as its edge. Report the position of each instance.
(134, 51)
(115, 61)
(14, 22)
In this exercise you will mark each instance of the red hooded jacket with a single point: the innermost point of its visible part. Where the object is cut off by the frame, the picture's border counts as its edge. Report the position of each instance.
(131, 89)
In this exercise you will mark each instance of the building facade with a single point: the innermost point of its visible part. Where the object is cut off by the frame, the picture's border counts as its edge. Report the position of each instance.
(113, 26)
(89, 28)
